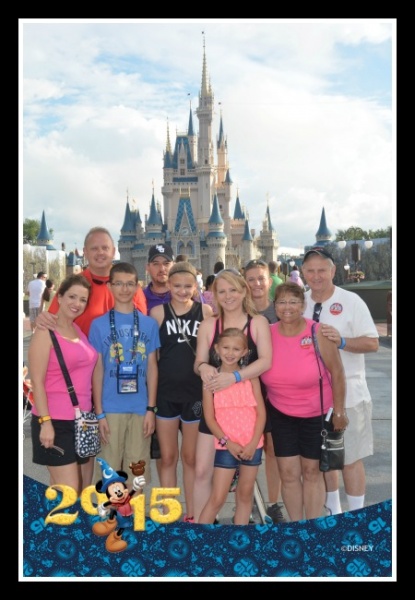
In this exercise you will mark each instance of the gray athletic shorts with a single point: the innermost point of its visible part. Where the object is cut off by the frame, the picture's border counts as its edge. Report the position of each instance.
(358, 437)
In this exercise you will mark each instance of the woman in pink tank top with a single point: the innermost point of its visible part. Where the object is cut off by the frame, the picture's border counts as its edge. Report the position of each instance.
(53, 415)
(293, 389)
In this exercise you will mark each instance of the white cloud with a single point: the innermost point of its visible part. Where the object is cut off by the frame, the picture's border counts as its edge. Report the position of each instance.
(97, 97)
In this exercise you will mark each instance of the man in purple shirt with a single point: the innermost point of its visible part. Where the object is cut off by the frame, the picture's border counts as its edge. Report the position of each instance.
(160, 259)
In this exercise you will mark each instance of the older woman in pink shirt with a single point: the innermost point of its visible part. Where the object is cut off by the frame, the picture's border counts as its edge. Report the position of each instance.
(293, 387)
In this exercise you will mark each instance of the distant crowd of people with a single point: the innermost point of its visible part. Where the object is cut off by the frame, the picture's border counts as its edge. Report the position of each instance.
(220, 373)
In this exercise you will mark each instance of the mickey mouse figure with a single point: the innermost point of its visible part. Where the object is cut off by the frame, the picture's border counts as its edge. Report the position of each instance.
(118, 508)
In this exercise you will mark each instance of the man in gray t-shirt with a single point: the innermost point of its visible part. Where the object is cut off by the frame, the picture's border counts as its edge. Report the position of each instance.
(34, 291)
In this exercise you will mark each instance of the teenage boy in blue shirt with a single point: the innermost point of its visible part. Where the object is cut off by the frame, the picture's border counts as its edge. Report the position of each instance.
(125, 379)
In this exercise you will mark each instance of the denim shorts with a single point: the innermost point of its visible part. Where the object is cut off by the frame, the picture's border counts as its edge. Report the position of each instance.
(226, 460)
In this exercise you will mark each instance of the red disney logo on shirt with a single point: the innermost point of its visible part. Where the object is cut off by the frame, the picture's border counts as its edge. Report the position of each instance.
(336, 308)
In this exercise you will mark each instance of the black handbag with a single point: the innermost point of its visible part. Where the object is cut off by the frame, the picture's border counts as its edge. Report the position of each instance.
(332, 450)
(332, 442)
(87, 439)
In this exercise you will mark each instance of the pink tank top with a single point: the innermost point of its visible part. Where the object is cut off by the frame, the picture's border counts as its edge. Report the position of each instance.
(80, 358)
(292, 382)
(235, 411)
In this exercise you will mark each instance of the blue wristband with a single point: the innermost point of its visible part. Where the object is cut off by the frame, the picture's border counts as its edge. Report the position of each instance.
(238, 377)
(342, 343)
(101, 416)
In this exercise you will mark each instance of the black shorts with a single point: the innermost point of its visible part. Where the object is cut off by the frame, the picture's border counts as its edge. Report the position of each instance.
(64, 438)
(203, 428)
(295, 436)
(188, 412)
(268, 426)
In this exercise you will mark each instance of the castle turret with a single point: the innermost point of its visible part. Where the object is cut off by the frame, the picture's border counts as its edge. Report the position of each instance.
(216, 238)
(43, 238)
(268, 243)
(323, 235)
(248, 250)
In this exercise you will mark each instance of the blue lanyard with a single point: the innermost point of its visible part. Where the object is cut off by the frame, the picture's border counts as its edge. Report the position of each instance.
(114, 335)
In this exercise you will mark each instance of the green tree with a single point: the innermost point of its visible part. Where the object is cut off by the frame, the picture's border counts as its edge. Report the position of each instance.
(31, 228)
(380, 233)
(357, 233)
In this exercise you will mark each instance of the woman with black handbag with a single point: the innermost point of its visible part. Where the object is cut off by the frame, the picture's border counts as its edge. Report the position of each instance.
(293, 387)
(53, 415)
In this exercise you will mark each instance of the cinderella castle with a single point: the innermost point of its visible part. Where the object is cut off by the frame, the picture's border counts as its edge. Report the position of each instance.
(199, 218)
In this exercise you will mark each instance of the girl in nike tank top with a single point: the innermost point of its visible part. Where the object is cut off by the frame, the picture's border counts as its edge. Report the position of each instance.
(179, 390)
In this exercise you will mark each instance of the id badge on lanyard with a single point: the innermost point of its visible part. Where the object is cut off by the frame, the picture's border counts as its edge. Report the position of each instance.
(127, 379)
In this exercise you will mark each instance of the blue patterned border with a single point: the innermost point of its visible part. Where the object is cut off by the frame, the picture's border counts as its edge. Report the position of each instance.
(354, 544)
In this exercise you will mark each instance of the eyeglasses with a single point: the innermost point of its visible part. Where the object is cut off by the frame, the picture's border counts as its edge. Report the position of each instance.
(255, 263)
(55, 450)
(287, 302)
(121, 284)
(318, 307)
(233, 271)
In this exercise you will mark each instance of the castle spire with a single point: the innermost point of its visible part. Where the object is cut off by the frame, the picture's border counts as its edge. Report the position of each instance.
(206, 87)
(190, 130)
(323, 234)
(168, 144)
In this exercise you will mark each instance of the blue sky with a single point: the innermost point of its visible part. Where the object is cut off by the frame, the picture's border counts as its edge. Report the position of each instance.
(308, 109)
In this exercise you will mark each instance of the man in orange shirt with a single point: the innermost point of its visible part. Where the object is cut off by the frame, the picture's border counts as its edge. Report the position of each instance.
(99, 252)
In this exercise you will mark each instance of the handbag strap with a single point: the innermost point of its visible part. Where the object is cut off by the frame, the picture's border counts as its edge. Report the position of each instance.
(179, 329)
(317, 353)
(68, 380)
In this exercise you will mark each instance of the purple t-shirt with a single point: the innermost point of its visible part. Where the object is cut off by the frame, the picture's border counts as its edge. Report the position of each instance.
(154, 299)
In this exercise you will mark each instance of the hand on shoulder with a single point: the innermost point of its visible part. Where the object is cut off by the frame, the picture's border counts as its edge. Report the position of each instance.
(46, 320)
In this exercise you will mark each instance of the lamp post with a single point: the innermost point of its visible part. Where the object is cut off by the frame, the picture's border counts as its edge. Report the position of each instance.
(347, 267)
(356, 256)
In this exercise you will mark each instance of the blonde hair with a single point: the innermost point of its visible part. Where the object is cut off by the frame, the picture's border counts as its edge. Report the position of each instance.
(230, 332)
(238, 281)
